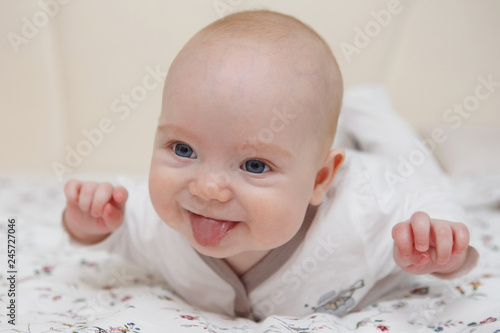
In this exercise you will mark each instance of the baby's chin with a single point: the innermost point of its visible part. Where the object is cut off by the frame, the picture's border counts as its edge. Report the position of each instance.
(218, 252)
(227, 249)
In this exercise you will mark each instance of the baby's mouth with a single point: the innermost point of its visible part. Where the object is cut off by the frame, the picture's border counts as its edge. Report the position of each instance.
(209, 232)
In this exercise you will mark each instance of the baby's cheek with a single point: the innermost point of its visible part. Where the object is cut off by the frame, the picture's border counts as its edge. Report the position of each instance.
(155, 192)
(276, 221)
(161, 188)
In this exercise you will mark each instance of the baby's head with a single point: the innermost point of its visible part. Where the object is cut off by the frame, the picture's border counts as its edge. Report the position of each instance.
(250, 108)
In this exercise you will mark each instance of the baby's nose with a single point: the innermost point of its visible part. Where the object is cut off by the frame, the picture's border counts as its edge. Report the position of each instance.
(211, 187)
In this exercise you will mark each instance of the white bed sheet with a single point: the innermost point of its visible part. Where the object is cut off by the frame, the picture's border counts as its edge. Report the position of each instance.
(62, 289)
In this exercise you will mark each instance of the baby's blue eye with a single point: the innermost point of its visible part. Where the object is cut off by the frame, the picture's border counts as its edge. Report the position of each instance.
(184, 150)
(255, 166)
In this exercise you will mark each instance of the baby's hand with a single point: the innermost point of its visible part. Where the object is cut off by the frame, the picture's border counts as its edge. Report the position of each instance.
(424, 245)
(93, 210)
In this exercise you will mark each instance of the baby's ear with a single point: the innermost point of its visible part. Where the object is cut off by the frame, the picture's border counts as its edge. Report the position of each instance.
(326, 174)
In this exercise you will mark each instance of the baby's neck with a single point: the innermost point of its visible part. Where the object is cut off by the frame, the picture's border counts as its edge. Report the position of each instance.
(242, 262)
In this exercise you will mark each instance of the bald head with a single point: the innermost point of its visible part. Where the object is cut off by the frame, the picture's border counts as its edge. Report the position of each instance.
(284, 48)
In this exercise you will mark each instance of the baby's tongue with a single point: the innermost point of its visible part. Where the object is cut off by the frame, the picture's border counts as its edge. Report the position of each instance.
(208, 232)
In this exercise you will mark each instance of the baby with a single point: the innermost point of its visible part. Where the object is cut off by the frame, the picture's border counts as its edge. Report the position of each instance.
(240, 215)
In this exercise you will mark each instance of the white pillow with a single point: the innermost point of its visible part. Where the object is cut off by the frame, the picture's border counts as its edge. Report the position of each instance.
(467, 151)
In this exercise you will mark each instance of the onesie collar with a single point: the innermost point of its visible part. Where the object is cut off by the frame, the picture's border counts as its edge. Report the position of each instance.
(243, 285)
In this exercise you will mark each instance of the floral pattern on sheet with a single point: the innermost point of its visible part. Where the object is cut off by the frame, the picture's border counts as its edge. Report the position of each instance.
(128, 327)
(64, 289)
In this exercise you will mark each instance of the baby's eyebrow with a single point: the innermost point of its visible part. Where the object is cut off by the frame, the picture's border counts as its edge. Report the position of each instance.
(171, 129)
(275, 149)
(271, 148)
(165, 127)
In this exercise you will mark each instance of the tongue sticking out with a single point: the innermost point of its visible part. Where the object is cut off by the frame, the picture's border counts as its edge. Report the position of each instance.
(208, 232)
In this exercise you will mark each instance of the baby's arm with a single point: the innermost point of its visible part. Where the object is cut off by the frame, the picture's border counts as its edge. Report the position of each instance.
(93, 210)
(424, 245)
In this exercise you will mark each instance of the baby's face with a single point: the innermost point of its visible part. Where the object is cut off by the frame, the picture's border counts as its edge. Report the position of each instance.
(236, 153)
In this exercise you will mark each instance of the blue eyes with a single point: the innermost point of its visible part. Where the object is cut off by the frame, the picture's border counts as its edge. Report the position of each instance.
(252, 166)
(183, 150)
(255, 166)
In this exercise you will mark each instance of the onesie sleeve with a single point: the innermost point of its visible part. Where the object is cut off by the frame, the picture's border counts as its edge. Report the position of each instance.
(430, 192)
(401, 172)
(438, 202)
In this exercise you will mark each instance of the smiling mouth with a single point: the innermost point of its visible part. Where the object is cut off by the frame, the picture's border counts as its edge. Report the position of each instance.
(209, 232)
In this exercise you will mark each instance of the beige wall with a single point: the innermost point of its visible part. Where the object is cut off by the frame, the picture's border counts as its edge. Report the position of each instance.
(68, 67)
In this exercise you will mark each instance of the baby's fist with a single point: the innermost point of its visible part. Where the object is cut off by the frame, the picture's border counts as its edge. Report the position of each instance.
(93, 210)
(424, 245)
